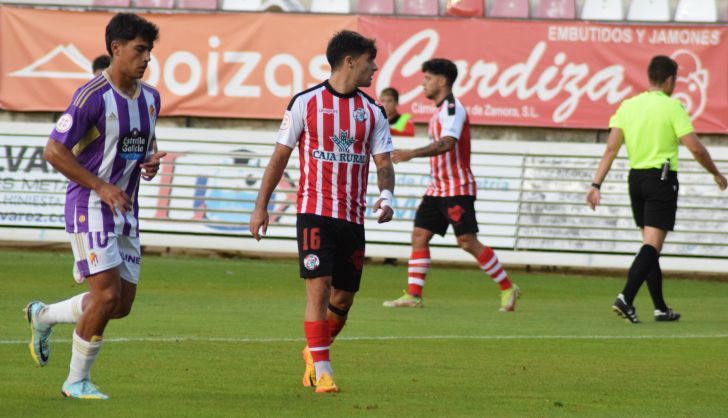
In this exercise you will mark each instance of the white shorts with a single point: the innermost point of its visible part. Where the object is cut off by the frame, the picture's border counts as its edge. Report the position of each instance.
(96, 252)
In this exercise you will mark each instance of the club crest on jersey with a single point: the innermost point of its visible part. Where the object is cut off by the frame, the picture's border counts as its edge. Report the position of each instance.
(133, 145)
(360, 114)
(343, 141)
(151, 112)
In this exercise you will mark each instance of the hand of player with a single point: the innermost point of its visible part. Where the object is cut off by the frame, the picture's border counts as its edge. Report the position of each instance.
(399, 156)
(150, 166)
(114, 197)
(593, 197)
(720, 181)
(258, 220)
(386, 211)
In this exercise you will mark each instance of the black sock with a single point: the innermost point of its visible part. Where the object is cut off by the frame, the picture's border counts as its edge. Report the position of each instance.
(641, 266)
(654, 284)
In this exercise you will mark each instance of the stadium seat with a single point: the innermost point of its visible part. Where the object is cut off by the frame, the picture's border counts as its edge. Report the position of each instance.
(464, 8)
(154, 4)
(602, 10)
(696, 11)
(330, 6)
(555, 9)
(509, 8)
(418, 7)
(649, 10)
(197, 4)
(112, 3)
(375, 7)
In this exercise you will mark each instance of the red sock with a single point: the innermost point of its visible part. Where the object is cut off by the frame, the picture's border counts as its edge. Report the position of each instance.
(318, 338)
(336, 323)
(490, 264)
(419, 265)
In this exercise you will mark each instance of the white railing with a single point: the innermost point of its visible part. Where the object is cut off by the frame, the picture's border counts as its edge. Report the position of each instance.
(530, 201)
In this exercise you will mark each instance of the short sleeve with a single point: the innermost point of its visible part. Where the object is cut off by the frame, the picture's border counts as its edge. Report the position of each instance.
(292, 124)
(616, 121)
(75, 122)
(452, 120)
(681, 123)
(382, 137)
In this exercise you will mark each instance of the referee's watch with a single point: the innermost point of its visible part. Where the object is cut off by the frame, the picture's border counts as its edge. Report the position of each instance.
(596, 186)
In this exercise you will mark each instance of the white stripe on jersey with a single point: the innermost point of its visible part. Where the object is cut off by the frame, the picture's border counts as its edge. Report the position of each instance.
(335, 167)
(350, 167)
(303, 181)
(319, 163)
(95, 218)
(364, 171)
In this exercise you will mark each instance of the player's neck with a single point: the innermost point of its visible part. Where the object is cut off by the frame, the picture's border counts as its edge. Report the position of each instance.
(441, 97)
(339, 82)
(126, 85)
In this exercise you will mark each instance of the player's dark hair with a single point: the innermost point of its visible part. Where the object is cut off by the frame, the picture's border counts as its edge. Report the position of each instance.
(660, 69)
(101, 62)
(443, 67)
(128, 26)
(348, 43)
(390, 91)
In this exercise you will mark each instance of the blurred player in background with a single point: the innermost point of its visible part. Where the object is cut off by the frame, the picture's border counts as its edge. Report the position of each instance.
(100, 63)
(336, 128)
(103, 143)
(399, 124)
(450, 198)
(652, 124)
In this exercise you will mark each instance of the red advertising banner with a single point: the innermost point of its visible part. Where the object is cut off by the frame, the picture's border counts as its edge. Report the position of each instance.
(245, 65)
(522, 73)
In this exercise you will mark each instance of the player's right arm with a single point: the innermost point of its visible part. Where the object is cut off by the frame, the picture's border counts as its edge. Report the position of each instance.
(74, 124)
(272, 176)
(65, 162)
(288, 135)
(452, 120)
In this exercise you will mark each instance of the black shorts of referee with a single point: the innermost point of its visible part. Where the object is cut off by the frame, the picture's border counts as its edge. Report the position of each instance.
(654, 201)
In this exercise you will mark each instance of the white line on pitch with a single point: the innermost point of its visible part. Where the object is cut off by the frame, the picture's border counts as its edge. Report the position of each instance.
(381, 338)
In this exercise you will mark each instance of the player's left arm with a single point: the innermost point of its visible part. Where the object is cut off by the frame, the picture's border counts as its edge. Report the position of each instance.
(153, 159)
(150, 166)
(385, 181)
(442, 146)
(381, 150)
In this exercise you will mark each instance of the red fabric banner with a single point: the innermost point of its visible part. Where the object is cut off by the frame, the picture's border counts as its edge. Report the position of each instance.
(522, 73)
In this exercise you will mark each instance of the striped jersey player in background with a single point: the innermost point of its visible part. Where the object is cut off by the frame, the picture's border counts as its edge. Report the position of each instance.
(450, 198)
(336, 128)
(103, 143)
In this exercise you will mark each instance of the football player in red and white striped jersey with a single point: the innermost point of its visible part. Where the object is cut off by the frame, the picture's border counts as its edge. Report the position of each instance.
(450, 198)
(336, 128)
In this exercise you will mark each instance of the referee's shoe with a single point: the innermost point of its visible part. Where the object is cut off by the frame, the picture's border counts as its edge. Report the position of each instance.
(628, 312)
(667, 315)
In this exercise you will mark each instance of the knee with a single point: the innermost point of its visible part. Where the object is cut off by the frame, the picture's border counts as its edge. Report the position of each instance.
(468, 243)
(107, 299)
(122, 310)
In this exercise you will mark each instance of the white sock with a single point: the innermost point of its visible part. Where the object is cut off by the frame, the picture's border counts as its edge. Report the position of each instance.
(83, 355)
(323, 367)
(64, 312)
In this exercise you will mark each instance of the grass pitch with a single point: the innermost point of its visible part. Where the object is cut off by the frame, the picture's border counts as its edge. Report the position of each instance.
(218, 338)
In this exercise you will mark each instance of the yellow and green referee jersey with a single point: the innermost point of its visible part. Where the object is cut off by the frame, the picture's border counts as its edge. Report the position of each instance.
(652, 123)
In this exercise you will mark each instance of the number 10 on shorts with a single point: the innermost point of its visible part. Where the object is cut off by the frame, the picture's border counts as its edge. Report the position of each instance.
(311, 239)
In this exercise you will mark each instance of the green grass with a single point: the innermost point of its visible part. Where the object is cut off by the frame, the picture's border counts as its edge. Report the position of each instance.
(601, 367)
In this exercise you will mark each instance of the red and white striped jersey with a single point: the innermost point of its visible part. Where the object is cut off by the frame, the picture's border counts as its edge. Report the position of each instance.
(450, 172)
(336, 133)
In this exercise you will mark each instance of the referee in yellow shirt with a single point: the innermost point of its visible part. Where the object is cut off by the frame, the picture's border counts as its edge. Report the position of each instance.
(652, 125)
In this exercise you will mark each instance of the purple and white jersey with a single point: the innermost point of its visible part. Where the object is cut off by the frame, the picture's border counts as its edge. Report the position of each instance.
(110, 134)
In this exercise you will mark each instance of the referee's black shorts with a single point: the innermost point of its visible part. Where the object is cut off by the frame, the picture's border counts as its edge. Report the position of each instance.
(654, 201)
